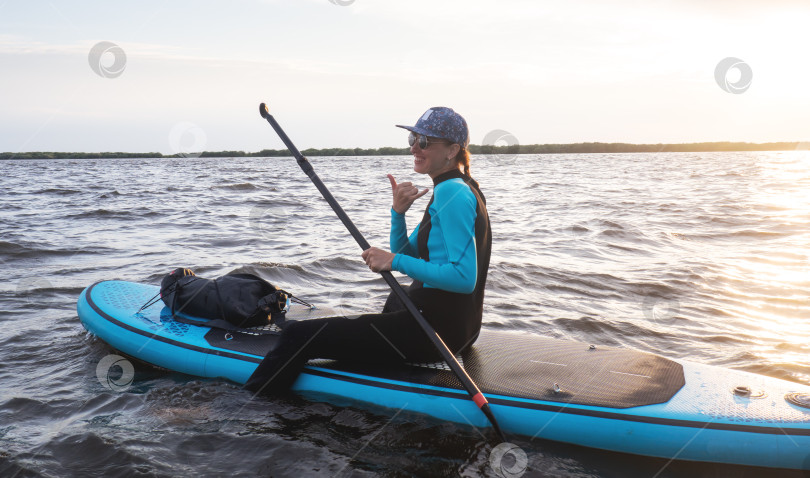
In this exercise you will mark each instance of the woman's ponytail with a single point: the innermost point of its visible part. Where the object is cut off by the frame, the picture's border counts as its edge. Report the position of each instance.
(463, 157)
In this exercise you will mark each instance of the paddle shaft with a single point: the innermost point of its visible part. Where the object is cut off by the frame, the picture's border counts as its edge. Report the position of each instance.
(448, 356)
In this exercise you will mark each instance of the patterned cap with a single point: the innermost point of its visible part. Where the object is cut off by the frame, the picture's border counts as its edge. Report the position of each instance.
(442, 122)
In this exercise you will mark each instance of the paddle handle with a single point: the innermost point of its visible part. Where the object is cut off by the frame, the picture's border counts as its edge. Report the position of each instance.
(477, 397)
(307, 168)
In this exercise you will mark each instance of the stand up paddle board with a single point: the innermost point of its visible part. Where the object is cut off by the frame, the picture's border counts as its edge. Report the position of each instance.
(601, 397)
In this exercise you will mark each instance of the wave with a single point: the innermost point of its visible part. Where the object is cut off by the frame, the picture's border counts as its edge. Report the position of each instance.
(238, 187)
(13, 250)
(744, 234)
(100, 213)
(59, 191)
(111, 194)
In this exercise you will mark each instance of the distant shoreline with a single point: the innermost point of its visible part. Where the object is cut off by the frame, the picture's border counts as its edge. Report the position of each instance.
(573, 148)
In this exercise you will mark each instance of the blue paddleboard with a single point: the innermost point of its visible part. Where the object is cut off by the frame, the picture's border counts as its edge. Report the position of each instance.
(601, 397)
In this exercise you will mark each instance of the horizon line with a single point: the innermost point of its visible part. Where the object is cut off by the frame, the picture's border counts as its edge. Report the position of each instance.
(546, 148)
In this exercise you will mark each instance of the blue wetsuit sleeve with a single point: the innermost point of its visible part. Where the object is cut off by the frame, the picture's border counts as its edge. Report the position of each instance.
(398, 240)
(455, 212)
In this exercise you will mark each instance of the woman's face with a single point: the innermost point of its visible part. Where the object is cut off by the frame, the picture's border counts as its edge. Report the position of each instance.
(433, 160)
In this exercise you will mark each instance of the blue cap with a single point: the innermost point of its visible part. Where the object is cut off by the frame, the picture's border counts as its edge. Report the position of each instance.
(442, 122)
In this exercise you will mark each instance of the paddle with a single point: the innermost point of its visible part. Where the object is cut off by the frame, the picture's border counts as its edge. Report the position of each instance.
(477, 397)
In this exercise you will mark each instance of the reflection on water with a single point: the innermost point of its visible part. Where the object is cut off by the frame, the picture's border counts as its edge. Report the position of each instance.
(771, 280)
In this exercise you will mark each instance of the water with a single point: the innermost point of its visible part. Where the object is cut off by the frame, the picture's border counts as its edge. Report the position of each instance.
(700, 256)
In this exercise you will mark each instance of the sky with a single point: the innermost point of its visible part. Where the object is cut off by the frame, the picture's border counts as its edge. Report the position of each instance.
(185, 76)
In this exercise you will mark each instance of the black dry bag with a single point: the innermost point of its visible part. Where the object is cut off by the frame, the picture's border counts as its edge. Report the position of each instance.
(241, 300)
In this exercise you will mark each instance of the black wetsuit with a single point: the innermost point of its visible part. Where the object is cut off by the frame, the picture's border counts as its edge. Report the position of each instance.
(448, 258)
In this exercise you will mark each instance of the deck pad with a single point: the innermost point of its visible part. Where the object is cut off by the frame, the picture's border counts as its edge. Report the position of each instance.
(527, 366)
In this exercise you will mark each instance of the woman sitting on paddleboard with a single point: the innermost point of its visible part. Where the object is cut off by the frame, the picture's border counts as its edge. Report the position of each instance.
(447, 256)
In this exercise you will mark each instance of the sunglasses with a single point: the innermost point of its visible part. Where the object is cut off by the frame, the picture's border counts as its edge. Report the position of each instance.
(423, 140)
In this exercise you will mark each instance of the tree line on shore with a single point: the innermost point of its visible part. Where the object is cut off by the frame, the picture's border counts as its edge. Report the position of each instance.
(573, 148)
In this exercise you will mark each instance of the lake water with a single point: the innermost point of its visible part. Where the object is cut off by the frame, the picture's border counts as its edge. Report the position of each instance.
(701, 256)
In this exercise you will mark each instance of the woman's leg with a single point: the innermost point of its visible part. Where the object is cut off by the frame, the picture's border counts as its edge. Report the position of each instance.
(386, 337)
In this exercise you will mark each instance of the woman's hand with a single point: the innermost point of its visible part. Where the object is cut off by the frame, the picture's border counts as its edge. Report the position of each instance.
(404, 194)
(378, 260)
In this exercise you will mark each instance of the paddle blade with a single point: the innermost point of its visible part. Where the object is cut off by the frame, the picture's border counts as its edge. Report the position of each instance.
(485, 408)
